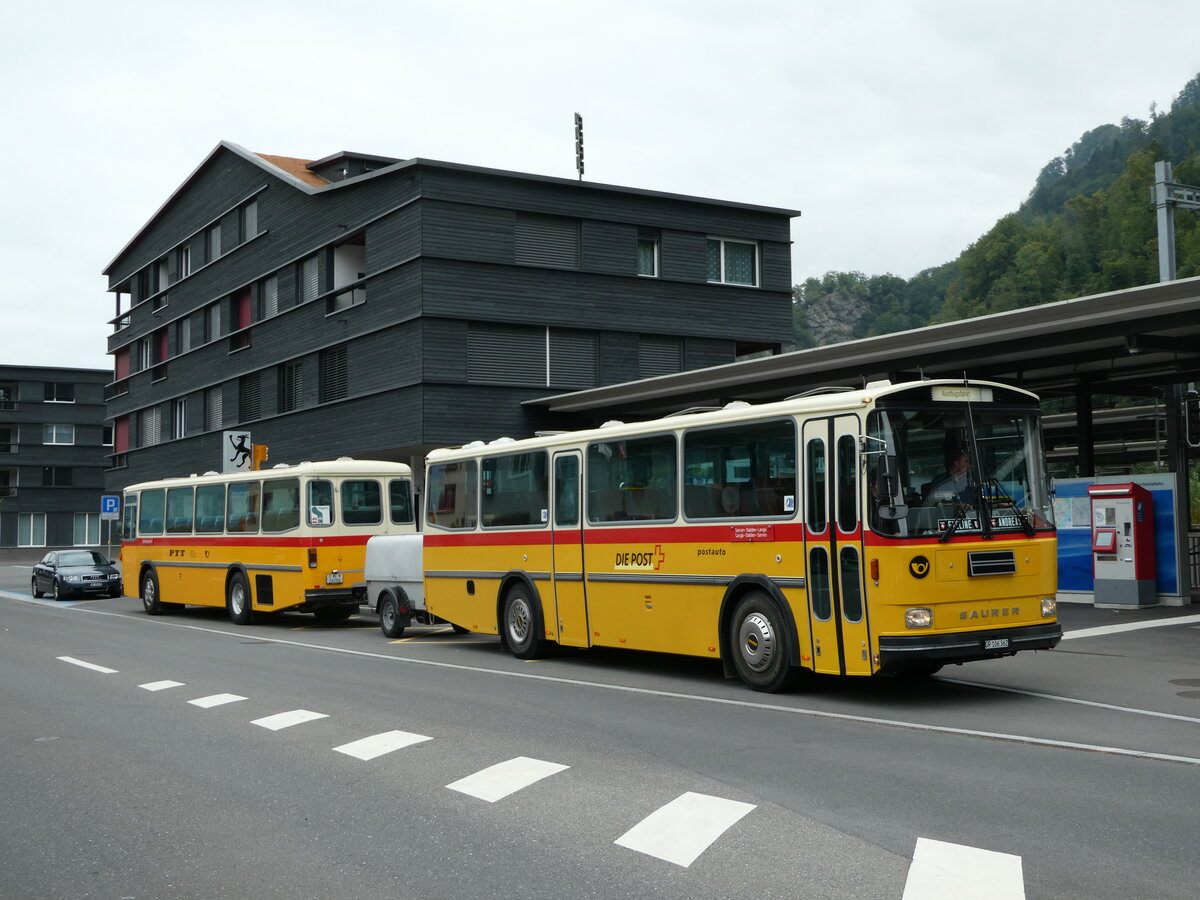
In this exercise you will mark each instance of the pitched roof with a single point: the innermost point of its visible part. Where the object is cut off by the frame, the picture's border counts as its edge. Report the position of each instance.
(297, 168)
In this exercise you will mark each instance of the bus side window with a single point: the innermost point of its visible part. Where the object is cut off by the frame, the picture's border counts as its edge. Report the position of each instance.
(150, 518)
(815, 478)
(400, 501)
(361, 502)
(320, 503)
(129, 523)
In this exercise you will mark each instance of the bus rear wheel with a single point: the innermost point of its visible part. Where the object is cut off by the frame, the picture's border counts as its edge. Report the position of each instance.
(522, 624)
(237, 600)
(758, 643)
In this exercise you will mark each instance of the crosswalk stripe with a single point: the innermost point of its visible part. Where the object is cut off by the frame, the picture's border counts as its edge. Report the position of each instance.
(370, 747)
(288, 719)
(87, 665)
(215, 700)
(943, 871)
(160, 685)
(498, 781)
(683, 829)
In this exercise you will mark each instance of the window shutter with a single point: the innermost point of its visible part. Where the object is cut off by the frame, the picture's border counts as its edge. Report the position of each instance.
(213, 402)
(334, 377)
(573, 359)
(309, 285)
(659, 356)
(547, 241)
(250, 397)
(270, 297)
(498, 354)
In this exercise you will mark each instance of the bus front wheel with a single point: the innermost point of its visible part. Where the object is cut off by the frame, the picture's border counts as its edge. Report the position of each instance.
(150, 601)
(237, 600)
(523, 624)
(758, 643)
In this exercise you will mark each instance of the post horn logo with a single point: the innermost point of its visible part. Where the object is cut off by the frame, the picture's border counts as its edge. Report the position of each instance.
(918, 567)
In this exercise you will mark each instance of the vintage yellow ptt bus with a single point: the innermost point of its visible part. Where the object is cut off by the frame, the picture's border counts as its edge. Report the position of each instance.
(286, 538)
(820, 533)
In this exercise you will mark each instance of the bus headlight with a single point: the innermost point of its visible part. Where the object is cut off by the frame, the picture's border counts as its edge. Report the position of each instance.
(1049, 607)
(918, 617)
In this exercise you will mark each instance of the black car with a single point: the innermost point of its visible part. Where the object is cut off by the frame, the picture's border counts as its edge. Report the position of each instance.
(66, 573)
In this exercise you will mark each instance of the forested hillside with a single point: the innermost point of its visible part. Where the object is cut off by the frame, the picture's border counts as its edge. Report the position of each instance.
(1087, 227)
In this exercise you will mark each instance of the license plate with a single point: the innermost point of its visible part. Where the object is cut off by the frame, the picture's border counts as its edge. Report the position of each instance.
(996, 644)
(336, 578)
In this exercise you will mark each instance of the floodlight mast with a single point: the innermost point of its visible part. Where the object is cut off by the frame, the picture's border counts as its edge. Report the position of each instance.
(1167, 197)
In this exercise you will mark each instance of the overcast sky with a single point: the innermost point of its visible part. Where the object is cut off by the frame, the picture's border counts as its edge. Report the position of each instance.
(902, 130)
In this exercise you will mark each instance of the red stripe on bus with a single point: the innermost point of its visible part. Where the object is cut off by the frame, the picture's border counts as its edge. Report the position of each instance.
(251, 540)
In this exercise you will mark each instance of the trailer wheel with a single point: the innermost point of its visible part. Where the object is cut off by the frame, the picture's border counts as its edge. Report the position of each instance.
(389, 616)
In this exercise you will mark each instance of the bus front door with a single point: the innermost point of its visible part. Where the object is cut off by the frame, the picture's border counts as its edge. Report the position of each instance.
(833, 544)
(570, 591)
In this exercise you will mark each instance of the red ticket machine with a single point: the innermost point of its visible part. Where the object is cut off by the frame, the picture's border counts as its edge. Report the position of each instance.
(1123, 545)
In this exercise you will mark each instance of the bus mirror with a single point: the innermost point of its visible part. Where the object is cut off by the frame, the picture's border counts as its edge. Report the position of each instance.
(889, 491)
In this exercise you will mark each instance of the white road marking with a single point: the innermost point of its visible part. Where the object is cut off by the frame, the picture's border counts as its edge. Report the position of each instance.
(683, 829)
(1061, 699)
(87, 665)
(1102, 630)
(160, 685)
(215, 700)
(498, 781)
(288, 719)
(807, 712)
(370, 747)
(942, 871)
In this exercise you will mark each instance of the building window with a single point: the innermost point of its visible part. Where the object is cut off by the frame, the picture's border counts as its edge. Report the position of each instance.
(732, 262)
(31, 529)
(184, 261)
(8, 438)
(60, 392)
(87, 530)
(179, 417)
(212, 241)
(8, 482)
(107, 439)
(214, 417)
(308, 282)
(8, 396)
(58, 434)
(269, 297)
(546, 241)
(506, 354)
(249, 398)
(291, 386)
(56, 476)
(183, 336)
(647, 250)
(333, 377)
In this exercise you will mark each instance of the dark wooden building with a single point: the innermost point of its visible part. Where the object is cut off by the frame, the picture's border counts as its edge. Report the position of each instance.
(377, 307)
(54, 447)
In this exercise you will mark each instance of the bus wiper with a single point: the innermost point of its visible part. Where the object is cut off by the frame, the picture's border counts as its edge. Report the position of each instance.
(953, 526)
(1001, 497)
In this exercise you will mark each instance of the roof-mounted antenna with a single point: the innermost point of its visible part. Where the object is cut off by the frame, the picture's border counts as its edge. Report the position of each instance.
(579, 145)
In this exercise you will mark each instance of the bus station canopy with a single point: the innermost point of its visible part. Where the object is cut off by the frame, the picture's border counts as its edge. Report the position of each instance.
(1130, 342)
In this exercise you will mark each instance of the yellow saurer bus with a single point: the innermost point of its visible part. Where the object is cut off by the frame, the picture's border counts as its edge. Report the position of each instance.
(892, 529)
(286, 538)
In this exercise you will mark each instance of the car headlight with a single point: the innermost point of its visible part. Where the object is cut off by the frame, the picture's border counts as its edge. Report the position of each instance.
(113, 576)
(918, 617)
(1049, 607)
(73, 579)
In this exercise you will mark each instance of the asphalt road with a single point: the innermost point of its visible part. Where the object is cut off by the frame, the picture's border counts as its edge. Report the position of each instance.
(182, 756)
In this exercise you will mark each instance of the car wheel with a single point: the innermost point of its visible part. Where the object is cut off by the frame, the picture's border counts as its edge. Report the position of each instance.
(523, 624)
(150, 601)
(389, 617)
(758, 643)
(56, 593)
(237, 600)
(34, 589)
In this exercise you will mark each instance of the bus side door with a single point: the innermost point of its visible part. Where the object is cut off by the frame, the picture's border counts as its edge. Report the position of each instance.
(570, 586)
(833, 546)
